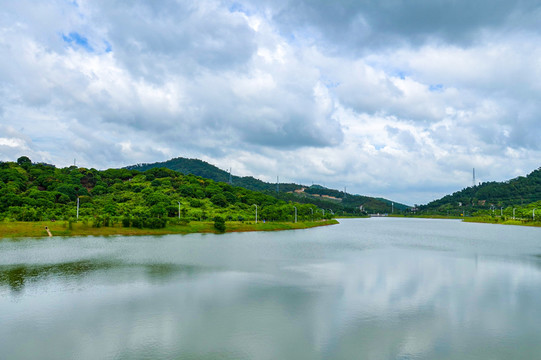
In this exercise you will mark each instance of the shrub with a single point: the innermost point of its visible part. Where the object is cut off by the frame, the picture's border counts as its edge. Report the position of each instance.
(97, 222)
(126, 221)
(219, 224)
(155, 223)
(137, 222)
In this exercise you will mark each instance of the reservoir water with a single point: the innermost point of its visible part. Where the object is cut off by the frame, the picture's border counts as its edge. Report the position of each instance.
(380, 288)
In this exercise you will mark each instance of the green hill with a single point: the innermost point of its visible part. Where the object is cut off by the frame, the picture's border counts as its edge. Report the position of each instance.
(519, 191)
(208, 171)
(331, 199)
(150, 198)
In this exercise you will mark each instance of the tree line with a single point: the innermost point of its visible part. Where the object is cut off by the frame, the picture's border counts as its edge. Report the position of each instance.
(151, 198)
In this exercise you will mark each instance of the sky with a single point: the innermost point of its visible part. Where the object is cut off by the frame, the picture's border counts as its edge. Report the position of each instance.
(388, 98)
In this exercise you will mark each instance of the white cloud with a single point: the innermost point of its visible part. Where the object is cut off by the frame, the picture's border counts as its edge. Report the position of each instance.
(336, 94)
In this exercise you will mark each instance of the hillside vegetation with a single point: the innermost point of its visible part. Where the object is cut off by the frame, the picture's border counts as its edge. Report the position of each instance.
(523, 194)
(148, 199)
(329, 199)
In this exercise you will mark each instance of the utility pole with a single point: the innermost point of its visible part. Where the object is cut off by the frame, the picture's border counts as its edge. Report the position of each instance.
(77, 208)
(295, 213)
(178, 210)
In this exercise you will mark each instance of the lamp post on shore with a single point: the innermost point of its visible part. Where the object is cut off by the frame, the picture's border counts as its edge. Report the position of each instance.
(178, 210)
(514, 213)
(295, 213)
(255, 213)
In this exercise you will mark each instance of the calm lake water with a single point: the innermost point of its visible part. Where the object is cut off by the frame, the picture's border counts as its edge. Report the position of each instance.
(381, 288)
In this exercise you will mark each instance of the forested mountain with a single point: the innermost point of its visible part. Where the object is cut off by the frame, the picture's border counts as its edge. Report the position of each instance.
(334, 200)
(209, 171)
(520, 191)
(32, 192)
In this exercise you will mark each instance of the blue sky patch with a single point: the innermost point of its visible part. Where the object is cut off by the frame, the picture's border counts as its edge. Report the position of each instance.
(435, 88)
(237, 7)
(74, 38)
(108, 47)
(401, 74)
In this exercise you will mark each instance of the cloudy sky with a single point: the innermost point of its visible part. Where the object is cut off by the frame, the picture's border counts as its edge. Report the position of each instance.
(391, 98)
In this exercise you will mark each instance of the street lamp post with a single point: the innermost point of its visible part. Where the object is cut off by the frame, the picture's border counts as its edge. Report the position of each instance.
(255, 213)
(514, 213)
(77, 208)
(295, 213)
(312, 214)
(178, 210)
(501, 211)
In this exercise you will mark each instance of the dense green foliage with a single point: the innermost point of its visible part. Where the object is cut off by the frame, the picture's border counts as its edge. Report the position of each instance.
(499, 198)
(329, 199)
(150, 199)
(201, 168)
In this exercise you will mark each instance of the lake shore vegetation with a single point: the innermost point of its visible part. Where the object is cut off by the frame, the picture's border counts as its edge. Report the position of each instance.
(36, 229)
(76, 200)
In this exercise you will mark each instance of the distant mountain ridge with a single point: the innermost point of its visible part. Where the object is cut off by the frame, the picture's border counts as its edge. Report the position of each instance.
(335, 199)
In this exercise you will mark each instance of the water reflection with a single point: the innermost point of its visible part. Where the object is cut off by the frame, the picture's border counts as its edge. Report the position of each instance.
(358, 291)
(161, 272)
(16, 277)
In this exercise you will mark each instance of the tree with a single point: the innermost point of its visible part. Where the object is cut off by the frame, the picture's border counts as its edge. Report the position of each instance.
(158, 210)
(219, 224)
(24, 160)
(219, 200)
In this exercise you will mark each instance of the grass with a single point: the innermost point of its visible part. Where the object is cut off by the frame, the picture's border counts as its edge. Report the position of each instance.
(61, 228)
(498, 220)
(480, 219)
(426, 216)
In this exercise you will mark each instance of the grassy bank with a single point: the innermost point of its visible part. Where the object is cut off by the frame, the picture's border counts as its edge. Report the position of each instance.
(478, 219)
(498, 220)
(352, 217)
(62, 228)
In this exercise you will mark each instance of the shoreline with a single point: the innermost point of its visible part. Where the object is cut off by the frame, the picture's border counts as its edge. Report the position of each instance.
(477, 219)
(21, 229)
